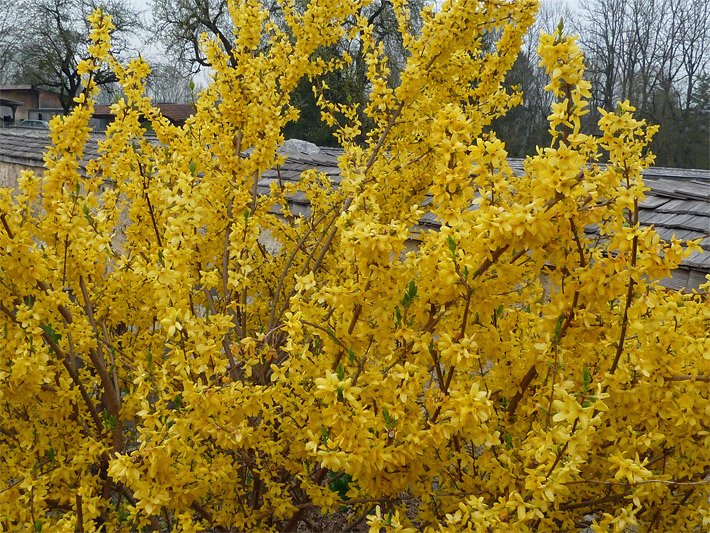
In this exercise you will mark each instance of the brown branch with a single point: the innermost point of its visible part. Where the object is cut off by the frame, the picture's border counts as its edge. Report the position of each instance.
(150, 205)
(561, 452)
(464, 319)
(356, 315)
(79, 515)
(66, 314)
(687, 377)
(225, 339)
(289, 262)
(6, 226)
(556, 346)
(204, 513)
(580, 249)
(593, 502)
(488, 263)
(381, 141)
(625, 319)
(633, 220)
(330, 333)
(642, 482)
(72, 372)
(112, 394)
(444, 382)
(682, 501)
(524, 384)
(370, 162)
(122, 489)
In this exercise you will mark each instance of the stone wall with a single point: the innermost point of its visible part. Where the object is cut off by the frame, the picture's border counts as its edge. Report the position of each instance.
(10, 171)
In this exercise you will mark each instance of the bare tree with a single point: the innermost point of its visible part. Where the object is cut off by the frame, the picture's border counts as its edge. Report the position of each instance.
(605, 38)
(181, 23)
(694, 45)
(168, 83)
(654, 53)
(10, 36)
(526, 126)
(56, 39)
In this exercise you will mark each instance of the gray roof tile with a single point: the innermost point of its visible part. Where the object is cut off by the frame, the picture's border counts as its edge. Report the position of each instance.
(652, 201)
(677, 204)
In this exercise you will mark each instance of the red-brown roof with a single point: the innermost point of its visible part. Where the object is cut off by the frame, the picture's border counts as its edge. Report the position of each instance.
(173, 112)
(16, 87)
(26, 88)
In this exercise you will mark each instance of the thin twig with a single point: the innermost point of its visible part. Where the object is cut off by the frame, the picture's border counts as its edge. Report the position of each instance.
(112, 394)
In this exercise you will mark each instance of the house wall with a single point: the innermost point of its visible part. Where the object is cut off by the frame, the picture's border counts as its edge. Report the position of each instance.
(100, 123)
(48, 99)
(32, 99)
(10, 171)
(5, 115)
(45, 113)
(28, 99)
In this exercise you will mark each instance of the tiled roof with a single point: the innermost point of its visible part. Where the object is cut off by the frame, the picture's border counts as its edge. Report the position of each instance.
(9, 103)
(27, 146)
(677, 204)
(681, 208)
(26, 88)
(15, 87)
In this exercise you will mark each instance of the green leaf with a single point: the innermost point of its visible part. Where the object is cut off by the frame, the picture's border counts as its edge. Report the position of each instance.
(452, 245)
(586, 378)
(340, 484)
(558, 328)
(123, 515)
(110, 421)
(508, 439)
(409, 294)
(49, 330)
(51, 455)
(341, 372)
(177, 402)
(390, 422)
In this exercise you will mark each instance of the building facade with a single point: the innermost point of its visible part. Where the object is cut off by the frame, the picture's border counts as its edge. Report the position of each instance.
(22, 102)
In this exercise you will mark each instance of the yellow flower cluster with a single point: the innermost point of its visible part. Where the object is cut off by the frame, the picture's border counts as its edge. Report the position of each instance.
(163, 366)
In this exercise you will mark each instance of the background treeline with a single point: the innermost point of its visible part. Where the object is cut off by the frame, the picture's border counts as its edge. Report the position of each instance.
(655, 53)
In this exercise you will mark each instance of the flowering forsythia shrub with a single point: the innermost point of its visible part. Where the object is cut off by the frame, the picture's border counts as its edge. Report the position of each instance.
(160, 369)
